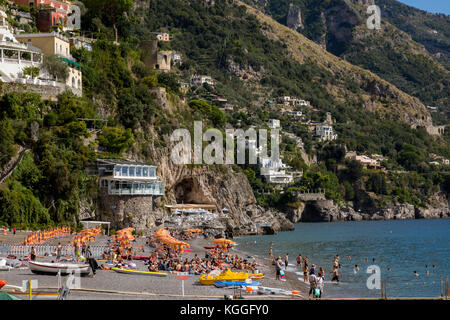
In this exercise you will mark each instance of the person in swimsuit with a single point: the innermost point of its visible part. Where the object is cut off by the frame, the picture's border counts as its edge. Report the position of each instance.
(299, 261)
(335, 274)
(286, 261)
(305, 272)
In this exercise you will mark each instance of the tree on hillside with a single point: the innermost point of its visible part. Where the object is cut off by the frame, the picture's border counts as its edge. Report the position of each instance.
(55, 66)
(109, 10)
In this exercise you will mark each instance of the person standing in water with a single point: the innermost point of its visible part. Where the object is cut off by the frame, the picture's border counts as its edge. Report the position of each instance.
(335, 274)
(271, 252)
(305, 271)
(286, 261)
(299, 261)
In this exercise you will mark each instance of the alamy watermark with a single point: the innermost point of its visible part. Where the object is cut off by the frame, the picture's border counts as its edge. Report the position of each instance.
(374, 20)
(193, 151)
(374, 280)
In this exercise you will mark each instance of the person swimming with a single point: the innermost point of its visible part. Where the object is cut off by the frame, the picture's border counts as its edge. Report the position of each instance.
(416, 274)
(356, 269)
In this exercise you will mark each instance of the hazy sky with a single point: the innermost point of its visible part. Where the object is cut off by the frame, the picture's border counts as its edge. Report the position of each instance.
(435, 6)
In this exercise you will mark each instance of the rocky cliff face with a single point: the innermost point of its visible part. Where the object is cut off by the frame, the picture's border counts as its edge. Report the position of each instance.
(327, 211)
(294, 18)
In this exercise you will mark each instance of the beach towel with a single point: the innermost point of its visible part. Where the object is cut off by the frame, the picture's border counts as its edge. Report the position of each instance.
(282, 273)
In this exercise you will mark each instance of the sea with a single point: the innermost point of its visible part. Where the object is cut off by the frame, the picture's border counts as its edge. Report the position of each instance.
(395, 248)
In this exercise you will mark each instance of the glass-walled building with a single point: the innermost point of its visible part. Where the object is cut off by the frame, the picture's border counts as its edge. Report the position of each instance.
(128, 178)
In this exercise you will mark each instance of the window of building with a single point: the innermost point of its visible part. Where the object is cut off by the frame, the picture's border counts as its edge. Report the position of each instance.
(79, 84)
(125, 171)
(145, 172)
(73, 82)
(117, 170)
(131, 171)
(138, 172)
(152, 172)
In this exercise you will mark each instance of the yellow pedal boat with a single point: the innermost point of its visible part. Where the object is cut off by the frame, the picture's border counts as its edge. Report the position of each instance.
(227, 275)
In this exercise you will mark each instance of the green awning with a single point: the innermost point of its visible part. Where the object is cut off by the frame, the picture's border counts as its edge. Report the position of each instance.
(71, 61)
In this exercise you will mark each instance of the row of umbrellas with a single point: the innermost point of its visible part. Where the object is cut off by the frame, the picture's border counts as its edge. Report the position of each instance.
(86, 235)
(42, 235)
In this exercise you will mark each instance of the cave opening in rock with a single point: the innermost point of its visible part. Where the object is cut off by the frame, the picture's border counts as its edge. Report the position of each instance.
(188, 190)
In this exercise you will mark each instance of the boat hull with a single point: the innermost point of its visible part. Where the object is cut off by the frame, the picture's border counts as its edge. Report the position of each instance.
(54, 268)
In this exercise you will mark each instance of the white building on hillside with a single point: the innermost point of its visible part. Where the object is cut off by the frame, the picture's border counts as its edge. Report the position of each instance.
(15, 56)
(274, 171)
(274, 124)
(200, 80)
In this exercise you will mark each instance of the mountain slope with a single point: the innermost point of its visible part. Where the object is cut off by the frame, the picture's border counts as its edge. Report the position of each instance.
(392, 52)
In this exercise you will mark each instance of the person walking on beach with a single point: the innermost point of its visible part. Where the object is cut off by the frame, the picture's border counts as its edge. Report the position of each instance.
(286, 261)
(312, 283)
(320, 282)
(278, 267)
(14, 230)
(271, 252)
(92, 263)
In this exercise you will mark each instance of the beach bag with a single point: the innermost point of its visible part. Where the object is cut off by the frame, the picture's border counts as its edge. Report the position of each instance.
(282, 273)
(317, 292)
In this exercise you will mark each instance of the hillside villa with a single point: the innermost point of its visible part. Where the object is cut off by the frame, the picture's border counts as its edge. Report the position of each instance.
(55, 43)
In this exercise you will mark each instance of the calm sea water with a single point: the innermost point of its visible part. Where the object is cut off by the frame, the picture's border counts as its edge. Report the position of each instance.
(404, 246)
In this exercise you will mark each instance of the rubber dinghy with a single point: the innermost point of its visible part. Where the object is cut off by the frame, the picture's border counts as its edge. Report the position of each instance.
(54, 268)
(138, 272)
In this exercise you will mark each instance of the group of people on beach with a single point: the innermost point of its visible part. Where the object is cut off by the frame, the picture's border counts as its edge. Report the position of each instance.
(315, 278)
(165, 258)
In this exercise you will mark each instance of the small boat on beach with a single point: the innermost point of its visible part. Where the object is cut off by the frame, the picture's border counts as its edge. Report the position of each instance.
(228, 275)
(139, 272)
(54, 268)
(222, 284)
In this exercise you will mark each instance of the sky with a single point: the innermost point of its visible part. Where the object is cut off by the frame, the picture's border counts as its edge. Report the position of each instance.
(435, 6)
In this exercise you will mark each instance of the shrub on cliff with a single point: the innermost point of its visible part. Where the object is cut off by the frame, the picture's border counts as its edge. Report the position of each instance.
(116, 140)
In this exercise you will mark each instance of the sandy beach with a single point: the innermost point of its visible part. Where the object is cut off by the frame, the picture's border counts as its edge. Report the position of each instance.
(109, 285)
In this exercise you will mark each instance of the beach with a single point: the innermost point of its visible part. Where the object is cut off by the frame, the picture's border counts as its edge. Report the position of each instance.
(109, 285)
